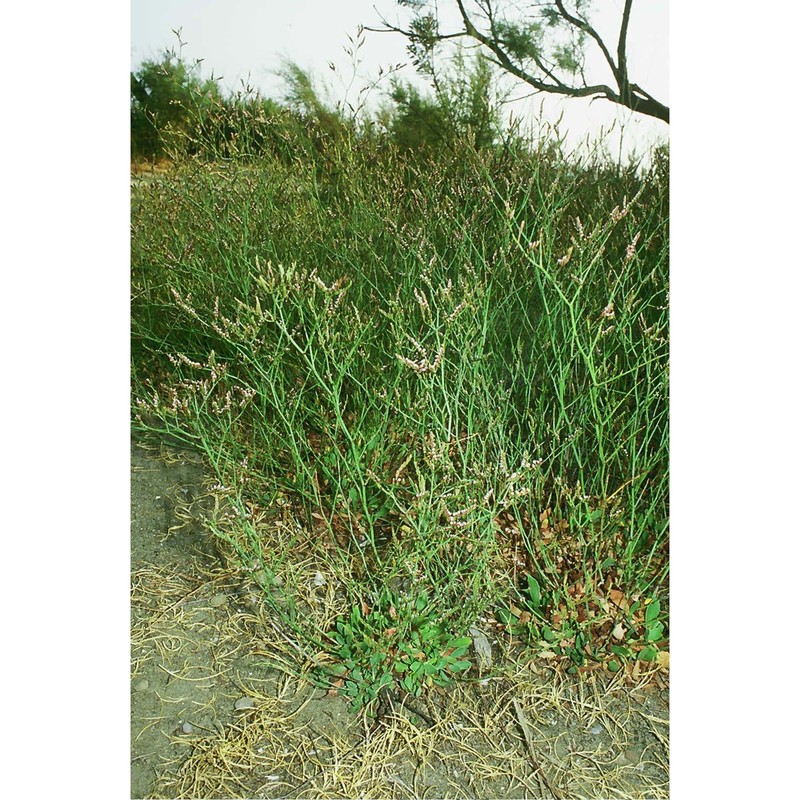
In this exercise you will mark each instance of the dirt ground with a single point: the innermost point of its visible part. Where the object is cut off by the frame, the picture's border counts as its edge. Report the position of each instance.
(214, 715)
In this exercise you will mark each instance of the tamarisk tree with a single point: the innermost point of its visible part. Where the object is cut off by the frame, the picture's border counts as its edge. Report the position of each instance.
(542, 43)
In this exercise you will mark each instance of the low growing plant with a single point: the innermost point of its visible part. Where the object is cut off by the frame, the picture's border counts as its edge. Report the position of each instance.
(398, 643)
(633, 632)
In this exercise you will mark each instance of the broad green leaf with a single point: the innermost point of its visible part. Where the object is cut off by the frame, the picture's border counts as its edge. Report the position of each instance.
(654, 632)
(504, 616)
(385, 680)
(429, 632)
(534, 592)
(652, 611)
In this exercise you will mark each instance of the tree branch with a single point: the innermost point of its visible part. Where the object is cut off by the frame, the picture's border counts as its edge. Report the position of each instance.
(627, 94)
(506, 63)
(622, 57)
(583, 25)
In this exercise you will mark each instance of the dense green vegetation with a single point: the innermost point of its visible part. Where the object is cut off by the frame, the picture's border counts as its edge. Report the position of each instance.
(432, 380)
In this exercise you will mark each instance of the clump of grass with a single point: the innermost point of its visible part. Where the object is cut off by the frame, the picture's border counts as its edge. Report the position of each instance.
(448, 375)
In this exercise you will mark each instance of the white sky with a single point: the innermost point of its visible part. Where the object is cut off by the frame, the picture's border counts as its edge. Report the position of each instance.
(245, 40)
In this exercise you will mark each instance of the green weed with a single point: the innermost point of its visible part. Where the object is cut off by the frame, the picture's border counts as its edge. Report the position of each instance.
(452, 372)
(395, 644)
